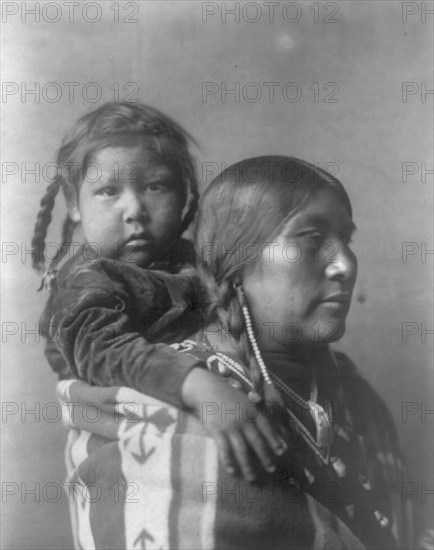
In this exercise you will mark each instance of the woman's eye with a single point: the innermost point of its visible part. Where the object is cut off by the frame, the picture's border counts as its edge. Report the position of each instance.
(314, 237)
(346, 238)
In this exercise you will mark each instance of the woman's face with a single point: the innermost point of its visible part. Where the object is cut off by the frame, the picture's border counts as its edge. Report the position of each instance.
(299, 290)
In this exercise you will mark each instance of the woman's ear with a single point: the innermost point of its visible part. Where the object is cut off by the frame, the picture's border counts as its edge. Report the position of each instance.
(74, 213)
(239, 291)
(237, 282)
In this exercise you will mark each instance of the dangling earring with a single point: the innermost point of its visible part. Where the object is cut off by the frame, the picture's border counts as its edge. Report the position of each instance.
(240, 294)
(251, 335)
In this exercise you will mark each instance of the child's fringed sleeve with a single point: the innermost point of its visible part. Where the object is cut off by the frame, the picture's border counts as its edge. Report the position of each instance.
(104, 321)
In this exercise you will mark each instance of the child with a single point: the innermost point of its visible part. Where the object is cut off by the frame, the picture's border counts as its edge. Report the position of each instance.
(129, 181)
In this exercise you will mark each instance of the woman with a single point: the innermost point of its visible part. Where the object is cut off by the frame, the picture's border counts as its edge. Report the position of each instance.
(273, 252)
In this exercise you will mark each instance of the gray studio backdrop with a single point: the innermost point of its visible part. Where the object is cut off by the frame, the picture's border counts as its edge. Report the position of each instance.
(343, 84)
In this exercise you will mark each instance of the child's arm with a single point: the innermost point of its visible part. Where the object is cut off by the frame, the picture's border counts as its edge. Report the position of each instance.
(101, 340)
(96, 327)
(245, 439)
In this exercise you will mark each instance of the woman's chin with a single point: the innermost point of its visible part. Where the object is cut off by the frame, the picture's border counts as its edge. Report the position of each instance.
(327, 332)
(334, 333)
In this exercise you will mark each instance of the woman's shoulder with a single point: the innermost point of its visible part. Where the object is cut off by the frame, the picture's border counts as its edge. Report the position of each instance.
(362, 397)
(353, 379)
(350, 373)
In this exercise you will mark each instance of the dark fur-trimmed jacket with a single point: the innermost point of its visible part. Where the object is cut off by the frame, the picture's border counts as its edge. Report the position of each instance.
(105, 322)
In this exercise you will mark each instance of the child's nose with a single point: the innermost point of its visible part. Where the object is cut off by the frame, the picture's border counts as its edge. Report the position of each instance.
(134, 208)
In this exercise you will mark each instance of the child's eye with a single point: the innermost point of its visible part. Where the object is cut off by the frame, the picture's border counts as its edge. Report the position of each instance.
(108, 191)
(157, 186)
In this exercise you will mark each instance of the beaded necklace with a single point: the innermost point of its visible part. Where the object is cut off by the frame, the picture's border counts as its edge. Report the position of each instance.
(321, 445)
(322, 420)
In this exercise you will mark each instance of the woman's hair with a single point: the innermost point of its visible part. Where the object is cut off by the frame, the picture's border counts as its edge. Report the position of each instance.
(245, 207)
(112, 125)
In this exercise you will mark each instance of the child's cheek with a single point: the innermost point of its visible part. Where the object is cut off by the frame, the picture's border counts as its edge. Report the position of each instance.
(172, 209)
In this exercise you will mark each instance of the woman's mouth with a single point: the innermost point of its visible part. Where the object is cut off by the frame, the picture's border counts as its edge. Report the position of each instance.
(335, 305)
(337, 301)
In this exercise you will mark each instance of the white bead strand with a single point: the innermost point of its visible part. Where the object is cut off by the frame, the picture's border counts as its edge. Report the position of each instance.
(255, 347)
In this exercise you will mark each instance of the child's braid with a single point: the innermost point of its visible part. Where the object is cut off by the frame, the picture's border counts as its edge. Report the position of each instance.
(42, 222)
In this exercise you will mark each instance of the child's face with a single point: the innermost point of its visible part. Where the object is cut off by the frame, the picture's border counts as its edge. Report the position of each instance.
(130, 205)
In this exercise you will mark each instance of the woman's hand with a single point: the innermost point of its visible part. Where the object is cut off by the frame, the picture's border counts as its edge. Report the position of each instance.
(246, 441)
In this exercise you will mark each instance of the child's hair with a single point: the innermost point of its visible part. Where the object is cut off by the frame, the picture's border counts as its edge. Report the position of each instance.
(244, 207)
(113, 124)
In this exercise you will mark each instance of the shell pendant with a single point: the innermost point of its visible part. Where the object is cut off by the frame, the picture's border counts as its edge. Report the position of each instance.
(324, 432)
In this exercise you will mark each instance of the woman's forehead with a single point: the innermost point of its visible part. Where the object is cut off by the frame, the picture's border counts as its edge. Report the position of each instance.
(324, 208)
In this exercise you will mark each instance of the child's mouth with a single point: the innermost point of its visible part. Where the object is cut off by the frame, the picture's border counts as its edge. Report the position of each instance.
(137, 243)
(137, 240)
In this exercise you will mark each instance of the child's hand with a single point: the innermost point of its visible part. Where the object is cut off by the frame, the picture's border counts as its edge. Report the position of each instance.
(246, 441)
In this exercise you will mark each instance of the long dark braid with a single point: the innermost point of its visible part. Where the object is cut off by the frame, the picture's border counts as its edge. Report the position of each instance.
(225, 309)
(43, 220)
(193, 202)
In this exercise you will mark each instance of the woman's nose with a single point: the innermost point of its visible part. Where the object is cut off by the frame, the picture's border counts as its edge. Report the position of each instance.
(343, 265)
(134, 208)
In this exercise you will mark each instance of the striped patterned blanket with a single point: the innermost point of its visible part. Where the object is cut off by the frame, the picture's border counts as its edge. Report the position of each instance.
(144, 475)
